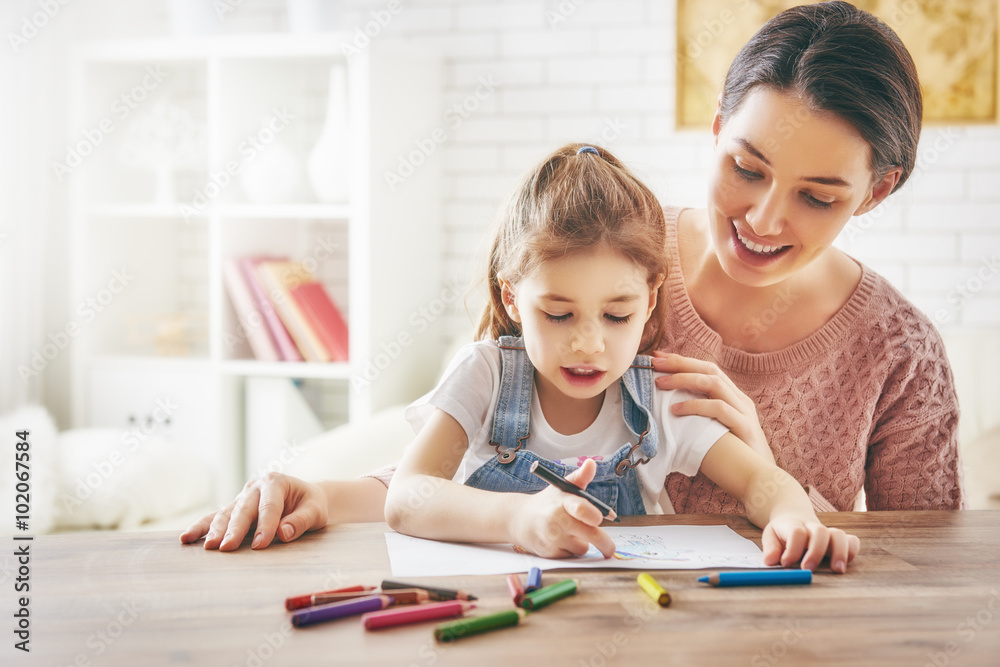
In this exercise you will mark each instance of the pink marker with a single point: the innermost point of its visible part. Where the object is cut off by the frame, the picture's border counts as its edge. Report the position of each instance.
(414, 614)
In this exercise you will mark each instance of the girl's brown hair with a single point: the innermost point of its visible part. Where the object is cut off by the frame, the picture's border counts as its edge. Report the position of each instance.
(575, 201)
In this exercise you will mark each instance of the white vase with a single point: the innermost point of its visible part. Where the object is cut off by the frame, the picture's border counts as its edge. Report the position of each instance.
(329, 161)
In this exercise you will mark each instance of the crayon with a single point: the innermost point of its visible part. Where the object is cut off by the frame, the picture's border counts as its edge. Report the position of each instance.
(329, 612)
(654, 590)
(545, 596)
(466, 627)
(403, 596)
(436, 594)
(300, 601)
(516, 589)
(759, 578)
(534, 580)
(569, 487)
(415, 613)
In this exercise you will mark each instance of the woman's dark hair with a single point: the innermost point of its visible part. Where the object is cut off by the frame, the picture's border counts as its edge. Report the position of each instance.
(844, 61)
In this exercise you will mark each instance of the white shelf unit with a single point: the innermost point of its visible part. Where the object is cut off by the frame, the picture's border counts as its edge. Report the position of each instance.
(377, 253)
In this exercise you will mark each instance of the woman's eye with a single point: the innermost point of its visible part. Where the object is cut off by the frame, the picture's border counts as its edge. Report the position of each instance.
(558, 318)
(746, 174)
(618, 320)
(815, 203)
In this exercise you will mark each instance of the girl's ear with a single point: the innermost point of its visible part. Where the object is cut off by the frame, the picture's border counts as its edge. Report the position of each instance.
(509, 301)
(654, 291)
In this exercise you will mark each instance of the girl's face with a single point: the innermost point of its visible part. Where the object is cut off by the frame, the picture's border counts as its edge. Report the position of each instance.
(785, 182)
(582, 317)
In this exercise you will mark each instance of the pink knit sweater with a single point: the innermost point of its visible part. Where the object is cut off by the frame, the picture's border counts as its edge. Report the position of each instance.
(867, 402)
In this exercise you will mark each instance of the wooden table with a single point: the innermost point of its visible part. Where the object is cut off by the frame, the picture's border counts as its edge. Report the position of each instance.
(925, 591)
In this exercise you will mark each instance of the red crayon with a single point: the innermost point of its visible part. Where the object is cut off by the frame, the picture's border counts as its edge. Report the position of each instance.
(516, 589)
(300, 601)
(421, 612)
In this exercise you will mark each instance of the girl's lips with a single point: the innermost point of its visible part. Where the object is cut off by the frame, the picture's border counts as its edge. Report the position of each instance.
(745, 254)
(582, 377)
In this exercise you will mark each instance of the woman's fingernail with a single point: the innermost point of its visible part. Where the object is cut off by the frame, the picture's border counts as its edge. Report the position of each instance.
(257, 540)
(840, 566)
(287, 531)
(210, 536)
(228, 537)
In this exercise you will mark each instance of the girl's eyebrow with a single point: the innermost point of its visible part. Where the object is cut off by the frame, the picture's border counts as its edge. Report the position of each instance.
(622, 298)
(822, 180)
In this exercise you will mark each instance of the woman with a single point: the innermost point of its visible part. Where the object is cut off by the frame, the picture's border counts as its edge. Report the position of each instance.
(801, 352)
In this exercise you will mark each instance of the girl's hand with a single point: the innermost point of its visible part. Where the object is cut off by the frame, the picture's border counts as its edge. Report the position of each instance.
(273, 501)
(725, 402)
(555, 524)
(786, 541)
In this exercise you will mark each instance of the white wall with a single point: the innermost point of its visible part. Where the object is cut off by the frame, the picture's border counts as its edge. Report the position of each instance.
(603, 72)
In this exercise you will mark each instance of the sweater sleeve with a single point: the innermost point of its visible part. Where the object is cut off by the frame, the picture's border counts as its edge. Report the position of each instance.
(913, 458)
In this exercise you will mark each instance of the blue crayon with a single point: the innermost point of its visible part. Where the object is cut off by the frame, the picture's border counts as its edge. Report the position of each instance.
(759, 578)
(534, 580)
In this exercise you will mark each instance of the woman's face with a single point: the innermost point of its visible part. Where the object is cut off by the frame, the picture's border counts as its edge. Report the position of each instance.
(786, 181)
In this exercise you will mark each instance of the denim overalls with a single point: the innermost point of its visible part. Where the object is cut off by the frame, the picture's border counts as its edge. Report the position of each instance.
(616, 481)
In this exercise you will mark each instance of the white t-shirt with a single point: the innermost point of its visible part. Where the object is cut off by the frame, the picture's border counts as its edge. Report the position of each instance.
(469, 390)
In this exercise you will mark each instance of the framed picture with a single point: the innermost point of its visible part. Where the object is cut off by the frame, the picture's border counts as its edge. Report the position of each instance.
(953, 43)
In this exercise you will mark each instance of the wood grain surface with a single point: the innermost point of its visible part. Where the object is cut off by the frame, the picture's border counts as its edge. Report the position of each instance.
(924, 591)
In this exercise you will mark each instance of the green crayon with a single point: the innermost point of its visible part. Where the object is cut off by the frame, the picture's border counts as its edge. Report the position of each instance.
(543, 596)
(449, 632)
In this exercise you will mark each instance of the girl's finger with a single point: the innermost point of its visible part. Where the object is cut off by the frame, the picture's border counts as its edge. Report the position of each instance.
(795, 545)
(819, 541)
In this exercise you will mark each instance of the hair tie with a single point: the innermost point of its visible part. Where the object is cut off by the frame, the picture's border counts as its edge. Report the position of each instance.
(588, 149)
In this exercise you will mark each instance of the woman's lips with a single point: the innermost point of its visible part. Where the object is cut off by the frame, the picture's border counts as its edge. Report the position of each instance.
(754, 253)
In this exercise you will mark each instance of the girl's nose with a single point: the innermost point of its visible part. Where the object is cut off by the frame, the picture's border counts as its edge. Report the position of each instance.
(588, 338)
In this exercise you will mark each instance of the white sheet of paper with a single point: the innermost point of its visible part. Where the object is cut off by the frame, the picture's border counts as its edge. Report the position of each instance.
(636, 548)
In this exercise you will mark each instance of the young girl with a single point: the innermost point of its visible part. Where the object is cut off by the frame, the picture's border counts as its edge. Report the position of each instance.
(575, 280)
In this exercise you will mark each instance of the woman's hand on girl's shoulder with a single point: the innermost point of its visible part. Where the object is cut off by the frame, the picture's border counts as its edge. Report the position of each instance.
(724, 401)
(789, 540)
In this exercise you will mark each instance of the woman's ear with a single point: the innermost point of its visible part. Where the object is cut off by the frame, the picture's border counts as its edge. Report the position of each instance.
(716, 121)
(509, 301)
(880, 190)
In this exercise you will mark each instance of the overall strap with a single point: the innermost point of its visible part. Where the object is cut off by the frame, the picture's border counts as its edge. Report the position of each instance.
(637, 401)
(510, 419)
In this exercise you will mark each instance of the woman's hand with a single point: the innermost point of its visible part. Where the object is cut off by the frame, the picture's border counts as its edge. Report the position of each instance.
(725, 402)
(556, 524)
(279, 504)
(786, 541)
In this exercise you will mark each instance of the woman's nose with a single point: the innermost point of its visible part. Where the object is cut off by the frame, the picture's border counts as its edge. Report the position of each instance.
(766, 217)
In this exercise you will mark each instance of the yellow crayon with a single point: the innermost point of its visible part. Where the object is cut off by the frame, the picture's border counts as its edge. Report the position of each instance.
(653, 588)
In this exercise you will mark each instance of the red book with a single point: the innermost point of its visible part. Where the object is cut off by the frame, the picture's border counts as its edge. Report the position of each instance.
(323, 317)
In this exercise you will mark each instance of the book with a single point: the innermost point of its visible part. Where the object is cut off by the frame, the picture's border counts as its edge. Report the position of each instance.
(252, 322)
(279, 334)
(278, 278)
(324, 317)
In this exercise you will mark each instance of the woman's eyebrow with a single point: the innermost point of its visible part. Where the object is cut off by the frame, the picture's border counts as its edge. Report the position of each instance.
(822, 180)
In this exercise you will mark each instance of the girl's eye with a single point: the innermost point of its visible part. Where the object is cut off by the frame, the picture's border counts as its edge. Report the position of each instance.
(557, 318)
(618, 320)
(815, 203)
(746, 174)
